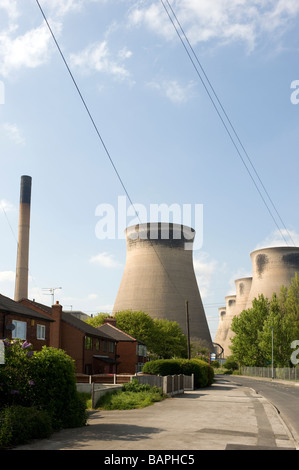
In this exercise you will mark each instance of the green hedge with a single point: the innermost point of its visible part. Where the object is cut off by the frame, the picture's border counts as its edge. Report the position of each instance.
(203, 373)
(41, 388)
(19, 424)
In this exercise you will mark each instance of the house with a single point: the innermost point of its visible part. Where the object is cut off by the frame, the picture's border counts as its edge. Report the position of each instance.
(20, 321)
(93, 351)
(130, 353)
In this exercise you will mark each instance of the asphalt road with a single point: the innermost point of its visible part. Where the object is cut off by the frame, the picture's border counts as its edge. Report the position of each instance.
(284, 396)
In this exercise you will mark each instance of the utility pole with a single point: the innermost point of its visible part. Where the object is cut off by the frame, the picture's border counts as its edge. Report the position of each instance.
(188, 331)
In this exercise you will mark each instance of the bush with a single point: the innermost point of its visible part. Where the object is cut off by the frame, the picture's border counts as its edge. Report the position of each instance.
(231, 364)
(203, 373)
(43, 382)
(133, 395)
(53, 373)
(19, 424)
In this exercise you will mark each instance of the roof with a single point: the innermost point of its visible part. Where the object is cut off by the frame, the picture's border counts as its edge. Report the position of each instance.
(67, 317)
(8, 305)
(83, 326)
(115, 333)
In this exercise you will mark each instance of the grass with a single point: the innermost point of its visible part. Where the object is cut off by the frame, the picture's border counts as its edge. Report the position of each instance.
(132, 396)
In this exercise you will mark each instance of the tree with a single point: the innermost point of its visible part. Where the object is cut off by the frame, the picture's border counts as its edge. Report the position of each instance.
(169, 339)
(97, 320)
(246, 346)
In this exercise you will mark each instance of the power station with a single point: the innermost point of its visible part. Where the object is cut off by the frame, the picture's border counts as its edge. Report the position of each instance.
(272, 268)
(159, 278)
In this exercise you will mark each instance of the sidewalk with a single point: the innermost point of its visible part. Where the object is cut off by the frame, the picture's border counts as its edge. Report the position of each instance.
(224, 416)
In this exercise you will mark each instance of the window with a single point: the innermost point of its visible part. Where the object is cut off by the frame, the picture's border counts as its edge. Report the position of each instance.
(104, 345)
(41, 332)
(88, 342)
(97, 344)
(20, 329)
(111, 346)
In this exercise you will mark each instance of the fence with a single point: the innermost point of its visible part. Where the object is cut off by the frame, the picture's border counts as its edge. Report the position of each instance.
(284, 373)
(99, 385)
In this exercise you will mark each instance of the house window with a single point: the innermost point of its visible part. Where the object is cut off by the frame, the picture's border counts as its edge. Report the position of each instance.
(41, 331)
(97, 344)
(104, 345)
(20, 329)
(88, 342)
(111, 347)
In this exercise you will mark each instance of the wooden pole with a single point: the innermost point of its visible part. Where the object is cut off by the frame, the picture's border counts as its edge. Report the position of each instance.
(188, 331)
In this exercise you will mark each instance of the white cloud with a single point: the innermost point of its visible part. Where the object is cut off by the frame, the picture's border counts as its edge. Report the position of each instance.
(278, 238)
(225, 21)
(14, 133)
(97, 57)
(106, 260)
(7, 276)
(204, 269)
(173, 90)
(6, 206)
(28, 50)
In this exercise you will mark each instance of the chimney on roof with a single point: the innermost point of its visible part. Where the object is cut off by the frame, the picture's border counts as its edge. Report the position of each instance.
(55, 328)
(110, 321)
(21, 284)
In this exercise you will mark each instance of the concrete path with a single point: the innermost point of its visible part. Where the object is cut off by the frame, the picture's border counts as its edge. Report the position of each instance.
(225, 416)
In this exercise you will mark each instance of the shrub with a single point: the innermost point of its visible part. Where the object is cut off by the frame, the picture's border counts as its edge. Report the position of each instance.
(19, 424)
(44, 380)
(53, 373)
(203, 373)
(231, 364)
(132, 396)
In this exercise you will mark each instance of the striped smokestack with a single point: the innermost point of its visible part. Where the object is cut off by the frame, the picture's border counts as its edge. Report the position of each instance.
(21, 286)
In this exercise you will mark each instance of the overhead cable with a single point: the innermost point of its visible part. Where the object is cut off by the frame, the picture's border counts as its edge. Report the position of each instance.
(187, 46)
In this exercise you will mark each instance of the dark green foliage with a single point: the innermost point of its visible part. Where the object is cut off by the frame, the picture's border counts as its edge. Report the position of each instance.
(19, 424)
(55, 390)
(41, 386)
(203, 373)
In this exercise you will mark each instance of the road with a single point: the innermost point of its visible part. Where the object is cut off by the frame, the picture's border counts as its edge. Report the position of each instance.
(284, 396)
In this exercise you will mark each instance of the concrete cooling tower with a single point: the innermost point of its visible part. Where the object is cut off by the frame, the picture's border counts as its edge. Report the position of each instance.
(219, 338)
(230, 302)
(271, 268)
(159, 277)
(21, 285)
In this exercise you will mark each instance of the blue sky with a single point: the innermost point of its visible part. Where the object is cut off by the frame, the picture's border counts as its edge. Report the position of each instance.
(160, 128)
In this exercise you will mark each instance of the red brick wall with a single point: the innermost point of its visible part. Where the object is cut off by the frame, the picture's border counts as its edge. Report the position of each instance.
(31, 329)
(127, 357)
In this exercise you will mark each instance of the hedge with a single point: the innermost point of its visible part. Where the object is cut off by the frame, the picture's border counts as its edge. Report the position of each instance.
(203, 373)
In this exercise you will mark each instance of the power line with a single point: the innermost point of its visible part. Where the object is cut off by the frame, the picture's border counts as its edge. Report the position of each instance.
(226, 116)
(86, 107)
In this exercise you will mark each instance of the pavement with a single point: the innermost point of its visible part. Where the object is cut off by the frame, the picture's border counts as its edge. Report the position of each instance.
(224, 416)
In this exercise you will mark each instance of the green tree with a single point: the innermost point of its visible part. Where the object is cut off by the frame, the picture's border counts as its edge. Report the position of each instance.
(283, 333)
(169, 339)
(98, 319)
(246, 346)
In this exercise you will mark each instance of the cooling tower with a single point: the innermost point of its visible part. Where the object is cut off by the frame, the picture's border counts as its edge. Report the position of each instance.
(272, 268)
(21, 285)
(243, 287)
(159, 277)
(230, 302)
(219, 338)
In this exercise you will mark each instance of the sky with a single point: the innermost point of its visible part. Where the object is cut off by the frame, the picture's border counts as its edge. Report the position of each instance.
(156, 137)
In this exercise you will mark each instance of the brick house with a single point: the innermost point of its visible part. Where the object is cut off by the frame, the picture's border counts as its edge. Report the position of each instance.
(93, 351)
(130, 353)
(19, 321)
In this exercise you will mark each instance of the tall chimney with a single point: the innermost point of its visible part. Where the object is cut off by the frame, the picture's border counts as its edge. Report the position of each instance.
(21, 285)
